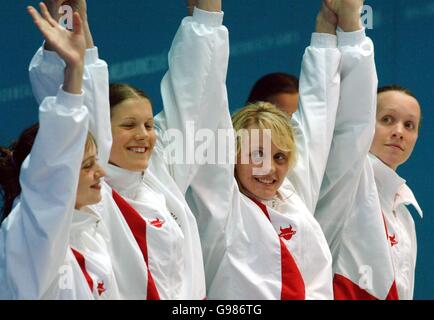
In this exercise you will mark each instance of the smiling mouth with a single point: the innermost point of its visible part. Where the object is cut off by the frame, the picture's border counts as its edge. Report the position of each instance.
(96, 186)
(265, 181)
(138, 150)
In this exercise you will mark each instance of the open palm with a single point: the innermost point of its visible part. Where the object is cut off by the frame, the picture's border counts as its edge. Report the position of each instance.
(70, 46)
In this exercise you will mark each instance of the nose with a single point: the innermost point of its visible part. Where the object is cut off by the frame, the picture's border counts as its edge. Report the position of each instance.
(398, 130)
(99, 172)
(142, 133)
(267, 167)
(272, 167)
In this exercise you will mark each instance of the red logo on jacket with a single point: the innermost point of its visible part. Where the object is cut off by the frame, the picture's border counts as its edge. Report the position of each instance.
(392, 240)
(287, 233)
(157, 223)
(100, 288)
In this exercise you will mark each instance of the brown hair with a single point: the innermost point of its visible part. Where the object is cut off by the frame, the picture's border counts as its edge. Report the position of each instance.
(271, 84)
(11, 159)
(119, 92)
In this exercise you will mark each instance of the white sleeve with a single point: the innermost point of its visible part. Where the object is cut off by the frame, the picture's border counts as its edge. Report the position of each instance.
(314, 121)
(46, 72)
(35, 235)
(194, 88)
(354, 131)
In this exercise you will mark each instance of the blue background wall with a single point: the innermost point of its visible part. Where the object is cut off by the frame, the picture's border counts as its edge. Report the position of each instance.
(266, 36)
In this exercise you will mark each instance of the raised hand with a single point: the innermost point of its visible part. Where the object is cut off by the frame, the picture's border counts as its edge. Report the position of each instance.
(326, 21)
(79, 6)
(70, 46)
(348, 12)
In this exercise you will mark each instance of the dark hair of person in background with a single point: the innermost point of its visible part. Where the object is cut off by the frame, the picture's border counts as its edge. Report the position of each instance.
(11, 159)
(279, 88)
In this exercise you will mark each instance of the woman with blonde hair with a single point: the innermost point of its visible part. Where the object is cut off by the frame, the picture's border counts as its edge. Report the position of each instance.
(259, 236)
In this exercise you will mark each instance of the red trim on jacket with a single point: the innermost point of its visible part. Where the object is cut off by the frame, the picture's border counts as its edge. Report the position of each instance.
(345, 289)
(82, 263)
(138, 227)
(292, 281)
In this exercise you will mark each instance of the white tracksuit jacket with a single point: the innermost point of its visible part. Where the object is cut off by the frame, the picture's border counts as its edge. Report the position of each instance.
(352, 209)
(171, 247)
(49, 250)
(394, 196)
(246, 256)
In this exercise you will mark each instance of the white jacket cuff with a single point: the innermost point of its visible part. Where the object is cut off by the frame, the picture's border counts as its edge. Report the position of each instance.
(213, 19)
(350, 38)
(69, 100)
(91, 56)
(323, 40)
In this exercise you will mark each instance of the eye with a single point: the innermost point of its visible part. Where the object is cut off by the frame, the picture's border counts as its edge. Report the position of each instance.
(387, 120)
(280, 157)
(128, 125)
(149, 125)
(410, 125)
(88, 165)
(257, 155)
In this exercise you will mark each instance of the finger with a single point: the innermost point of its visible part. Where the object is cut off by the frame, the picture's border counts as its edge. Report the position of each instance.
(327, 3)
(34, 13)
(37, 19)
(77, 23)
(47, 16)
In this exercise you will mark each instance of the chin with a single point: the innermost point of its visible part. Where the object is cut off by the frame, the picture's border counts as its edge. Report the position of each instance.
(138, 167)
(265, 196)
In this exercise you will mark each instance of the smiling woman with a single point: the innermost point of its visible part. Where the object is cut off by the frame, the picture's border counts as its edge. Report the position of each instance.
(132, 127)
(267, 162)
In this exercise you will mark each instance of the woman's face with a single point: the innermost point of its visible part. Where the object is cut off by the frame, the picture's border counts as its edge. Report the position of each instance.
(133, 134)
(89, 188)
(261, 166)
(397, 127)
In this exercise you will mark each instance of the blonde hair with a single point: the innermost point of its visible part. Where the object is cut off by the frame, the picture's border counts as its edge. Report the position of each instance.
(90, 141)
(266, 115)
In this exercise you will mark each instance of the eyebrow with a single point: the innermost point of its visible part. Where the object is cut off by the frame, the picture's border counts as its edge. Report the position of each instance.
(386, 109)
(87, 159)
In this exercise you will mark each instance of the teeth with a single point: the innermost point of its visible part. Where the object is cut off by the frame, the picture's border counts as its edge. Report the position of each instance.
(265, 181)
(138, 150)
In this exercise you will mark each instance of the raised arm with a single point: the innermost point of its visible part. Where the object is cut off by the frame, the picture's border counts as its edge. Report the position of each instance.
(35, 235)
(355, 122)
(46, 75)
(314, 121)
(193, 89)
